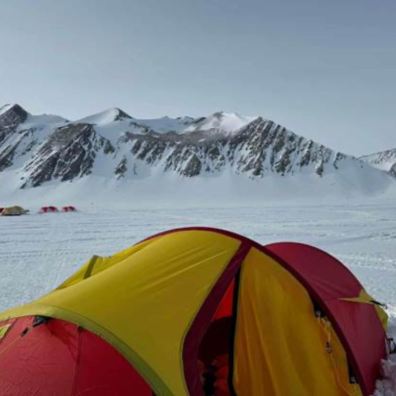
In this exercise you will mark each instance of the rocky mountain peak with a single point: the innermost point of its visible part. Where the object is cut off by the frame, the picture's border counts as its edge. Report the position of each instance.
(220, 122)
(11, 115)
(384, 160)
(113, 145)
(105, 117)
(120, 114)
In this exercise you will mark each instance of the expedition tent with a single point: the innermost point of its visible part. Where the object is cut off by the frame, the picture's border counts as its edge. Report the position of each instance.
(14, 211)
(158, 317)
(69, 209)
(49, 209)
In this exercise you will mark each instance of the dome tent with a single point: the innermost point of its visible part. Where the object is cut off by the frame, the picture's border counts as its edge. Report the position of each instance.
(14, 211)
(301, 323)
(49, 209)
(69, 209)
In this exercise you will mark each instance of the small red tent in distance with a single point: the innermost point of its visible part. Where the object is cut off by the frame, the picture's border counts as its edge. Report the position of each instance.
(49, 209)
(69, 209)
(1, 209)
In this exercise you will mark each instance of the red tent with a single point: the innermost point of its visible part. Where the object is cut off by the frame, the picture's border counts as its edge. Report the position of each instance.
(1, 209)
(49, 209)
(69, 209)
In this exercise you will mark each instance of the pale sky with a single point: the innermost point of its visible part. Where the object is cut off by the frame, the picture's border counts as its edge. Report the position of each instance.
(324, 69)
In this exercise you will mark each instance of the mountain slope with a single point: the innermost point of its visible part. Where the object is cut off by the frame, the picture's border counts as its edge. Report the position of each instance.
(22, 133)
(384, 160)
(220, 122)
(113, 146)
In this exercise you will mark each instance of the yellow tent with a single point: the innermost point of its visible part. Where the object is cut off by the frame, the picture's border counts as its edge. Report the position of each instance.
(13, 211)
(289, 328)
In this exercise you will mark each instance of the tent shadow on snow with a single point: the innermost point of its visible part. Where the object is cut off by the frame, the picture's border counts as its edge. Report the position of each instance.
(198, 310)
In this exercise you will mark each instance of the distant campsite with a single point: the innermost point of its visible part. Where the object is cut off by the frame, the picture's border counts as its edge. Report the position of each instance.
(13, 211)
(17, 210)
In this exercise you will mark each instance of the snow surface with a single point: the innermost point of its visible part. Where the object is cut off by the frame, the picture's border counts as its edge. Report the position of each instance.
(166, 124)
(5, 108)
(38, 251)
(108, 118)
(221, 121)
(102, 118)
(383, 160)
(150, 186)
(387, 386)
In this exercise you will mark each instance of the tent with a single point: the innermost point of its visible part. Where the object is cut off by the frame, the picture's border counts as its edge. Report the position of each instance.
(69, 209)
(13, 211)
(49, 209)
(195, 308)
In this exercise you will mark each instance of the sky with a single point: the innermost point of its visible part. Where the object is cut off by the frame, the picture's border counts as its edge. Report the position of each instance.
(324, 69)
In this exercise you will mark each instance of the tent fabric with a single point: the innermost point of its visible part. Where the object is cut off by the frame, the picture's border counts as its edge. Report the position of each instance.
(288, 350)
(3, 330)
(63, 359)
(203, 318)
(154, 303)
(165, 282)
(13, 211)
(365, 298)
(333, 284)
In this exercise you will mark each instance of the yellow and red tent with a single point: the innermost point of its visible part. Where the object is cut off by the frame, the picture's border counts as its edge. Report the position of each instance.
(285, 319)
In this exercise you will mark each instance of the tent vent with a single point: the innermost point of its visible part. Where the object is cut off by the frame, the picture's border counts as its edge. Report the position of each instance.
(39, 320)
(317, 310)
(352, 376)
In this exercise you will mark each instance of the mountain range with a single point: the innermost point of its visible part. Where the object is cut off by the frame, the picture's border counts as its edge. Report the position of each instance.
(47, 150)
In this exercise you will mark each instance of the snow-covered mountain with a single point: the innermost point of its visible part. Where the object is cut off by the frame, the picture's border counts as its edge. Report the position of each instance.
(220, 122)
(384, 160)
(112, 145)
